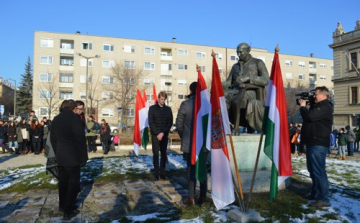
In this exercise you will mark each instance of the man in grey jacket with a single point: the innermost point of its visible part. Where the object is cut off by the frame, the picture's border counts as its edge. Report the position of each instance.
(184, 125)
(350, 140)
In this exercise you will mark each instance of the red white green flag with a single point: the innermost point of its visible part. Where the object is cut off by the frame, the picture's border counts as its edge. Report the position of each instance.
(222, 189)
(201, 128)
(154, 94)
(275, 126)
(145, 131)
(141, 121)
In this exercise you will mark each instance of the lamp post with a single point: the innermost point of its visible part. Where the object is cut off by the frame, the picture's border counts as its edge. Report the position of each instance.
(14, 95)
(87, 76)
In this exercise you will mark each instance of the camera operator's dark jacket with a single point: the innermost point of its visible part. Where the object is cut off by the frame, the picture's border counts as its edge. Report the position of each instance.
(317, 122)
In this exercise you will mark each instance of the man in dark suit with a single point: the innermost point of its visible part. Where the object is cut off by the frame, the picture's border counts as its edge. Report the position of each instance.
(69, 144)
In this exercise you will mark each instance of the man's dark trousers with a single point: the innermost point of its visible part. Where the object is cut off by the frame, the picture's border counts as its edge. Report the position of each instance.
(162, 147)
(69, 184)
(192, 179)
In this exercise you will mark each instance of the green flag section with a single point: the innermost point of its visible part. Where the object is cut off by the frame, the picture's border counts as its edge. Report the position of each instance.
(275, 126)
(141, 121)
(145, 130)
(201, 128)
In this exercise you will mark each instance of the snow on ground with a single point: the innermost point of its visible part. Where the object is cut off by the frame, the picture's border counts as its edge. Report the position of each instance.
(344, 178)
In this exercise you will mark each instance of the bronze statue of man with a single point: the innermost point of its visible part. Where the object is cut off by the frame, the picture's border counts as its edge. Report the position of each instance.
(245, 90)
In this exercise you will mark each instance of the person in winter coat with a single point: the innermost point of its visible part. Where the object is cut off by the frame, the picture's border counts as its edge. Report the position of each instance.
(23, 135)
(69, 145)
(105, 136)
(36, 133)
(45, 128)
(342, 143)
(3, 135)
(350, 140)
(12, 138)
(91, 134)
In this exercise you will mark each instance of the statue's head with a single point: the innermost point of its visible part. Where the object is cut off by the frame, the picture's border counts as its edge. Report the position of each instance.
(243, 50)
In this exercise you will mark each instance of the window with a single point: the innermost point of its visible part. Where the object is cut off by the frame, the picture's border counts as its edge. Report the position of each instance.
(130, 112)
(107, 80)
(67, 78)
(200, 54)
(289, 75)
(83, 78)
(182, 66)
(46, 77)
(82, 95)
(149, 50)
(43, 111)
(301, 64)
(149, 66)
(45, 94)
(181, 96)
(108, 63)
(312, 65)
(129, 80)
(220, 70)
(129, 49)
(107, 95)
(46, 60)
(66, 44)
(354, 95)
(182, 52)
(66, 95)
(148, 81)
(354, 63)
(202, 68)
(234, 57)
(86, 45)
(107, 112)
(129, 64)
(301, 76)
(322, 77)
(66, 61)
(83, 62)
(288, 63)
(182, 82)
(322, 65)
(46, 43)
(108, 47)
(219, 56)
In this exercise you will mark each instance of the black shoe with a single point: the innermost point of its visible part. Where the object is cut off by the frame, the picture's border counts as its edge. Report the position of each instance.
(71, 215)
(163, 177)
(156, 177)
(310, 197)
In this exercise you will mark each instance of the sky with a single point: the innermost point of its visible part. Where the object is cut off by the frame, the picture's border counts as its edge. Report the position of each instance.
(299, 27)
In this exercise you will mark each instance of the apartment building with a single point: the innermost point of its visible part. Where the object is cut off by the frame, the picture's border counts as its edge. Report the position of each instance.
(346, 53)
(65, 65)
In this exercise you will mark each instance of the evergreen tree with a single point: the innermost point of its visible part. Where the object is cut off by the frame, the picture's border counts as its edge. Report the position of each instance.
(24, 92)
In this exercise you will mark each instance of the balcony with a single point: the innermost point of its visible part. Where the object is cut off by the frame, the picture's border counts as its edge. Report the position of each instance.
(166, 55)
(166, 72)
(66, 51)
(312, 70)
(166, 88)
(66, 46)
(166, 58)
(66, 67)
(66, 85)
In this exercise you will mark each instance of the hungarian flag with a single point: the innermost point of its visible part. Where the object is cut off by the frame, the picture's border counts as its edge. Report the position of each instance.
(145, 133)
(275, 126)
(154, 94)
(201, 128)
(141, 121)
(222, 189)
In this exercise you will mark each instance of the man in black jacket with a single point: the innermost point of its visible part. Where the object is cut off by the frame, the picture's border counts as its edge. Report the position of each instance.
(69, 144)
(160, 122)
(316, 129)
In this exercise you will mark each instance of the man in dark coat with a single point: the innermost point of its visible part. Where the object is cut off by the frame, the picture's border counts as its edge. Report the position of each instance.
(160, 122)
(184, 126)
(315, 134)
(69, 144)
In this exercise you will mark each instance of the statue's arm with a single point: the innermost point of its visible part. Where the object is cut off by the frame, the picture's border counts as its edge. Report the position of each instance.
(262, 79)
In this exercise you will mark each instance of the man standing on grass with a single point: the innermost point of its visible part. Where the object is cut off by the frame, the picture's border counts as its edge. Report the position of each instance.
(160, 122)
(315, 132)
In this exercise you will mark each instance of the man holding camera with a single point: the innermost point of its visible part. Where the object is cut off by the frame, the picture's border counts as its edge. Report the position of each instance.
(317, 123)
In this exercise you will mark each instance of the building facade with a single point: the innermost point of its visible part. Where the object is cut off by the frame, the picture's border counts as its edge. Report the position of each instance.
(61, 70)
(346, 47)
(7, 93)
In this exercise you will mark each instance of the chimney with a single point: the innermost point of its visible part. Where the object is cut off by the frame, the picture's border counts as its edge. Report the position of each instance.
(311, 54)
(174, 40)
(78, 32)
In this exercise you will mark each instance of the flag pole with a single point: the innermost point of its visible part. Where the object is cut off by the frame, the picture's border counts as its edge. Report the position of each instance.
(237, 174)
(255, 170)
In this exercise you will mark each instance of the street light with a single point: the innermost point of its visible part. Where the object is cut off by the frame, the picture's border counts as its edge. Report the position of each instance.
(87, 74)
(14, 95)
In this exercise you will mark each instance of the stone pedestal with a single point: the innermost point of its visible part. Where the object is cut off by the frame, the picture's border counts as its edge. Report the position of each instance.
(246, 148)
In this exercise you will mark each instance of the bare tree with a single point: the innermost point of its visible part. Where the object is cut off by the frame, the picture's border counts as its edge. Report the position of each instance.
(127, 80)
(94, 95)
(49, 95)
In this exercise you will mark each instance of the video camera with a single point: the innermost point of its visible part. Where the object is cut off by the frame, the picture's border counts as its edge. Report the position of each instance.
(307, 96)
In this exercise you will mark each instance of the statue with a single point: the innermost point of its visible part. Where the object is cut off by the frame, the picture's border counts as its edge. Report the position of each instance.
(245, 90)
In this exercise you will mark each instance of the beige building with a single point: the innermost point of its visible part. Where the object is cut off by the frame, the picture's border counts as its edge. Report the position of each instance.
(60, 73)
(346, 46)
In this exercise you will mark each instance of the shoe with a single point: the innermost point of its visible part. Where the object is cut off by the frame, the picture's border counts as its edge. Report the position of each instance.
(340, 158)
(202, 199)
(343, 158)
(163, 177)
(319, 204)
(189, 201)
(156, 177)
(310, 197)
(71, 215)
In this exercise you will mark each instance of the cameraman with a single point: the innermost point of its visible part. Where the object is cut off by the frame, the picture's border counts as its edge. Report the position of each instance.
(317, 122)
